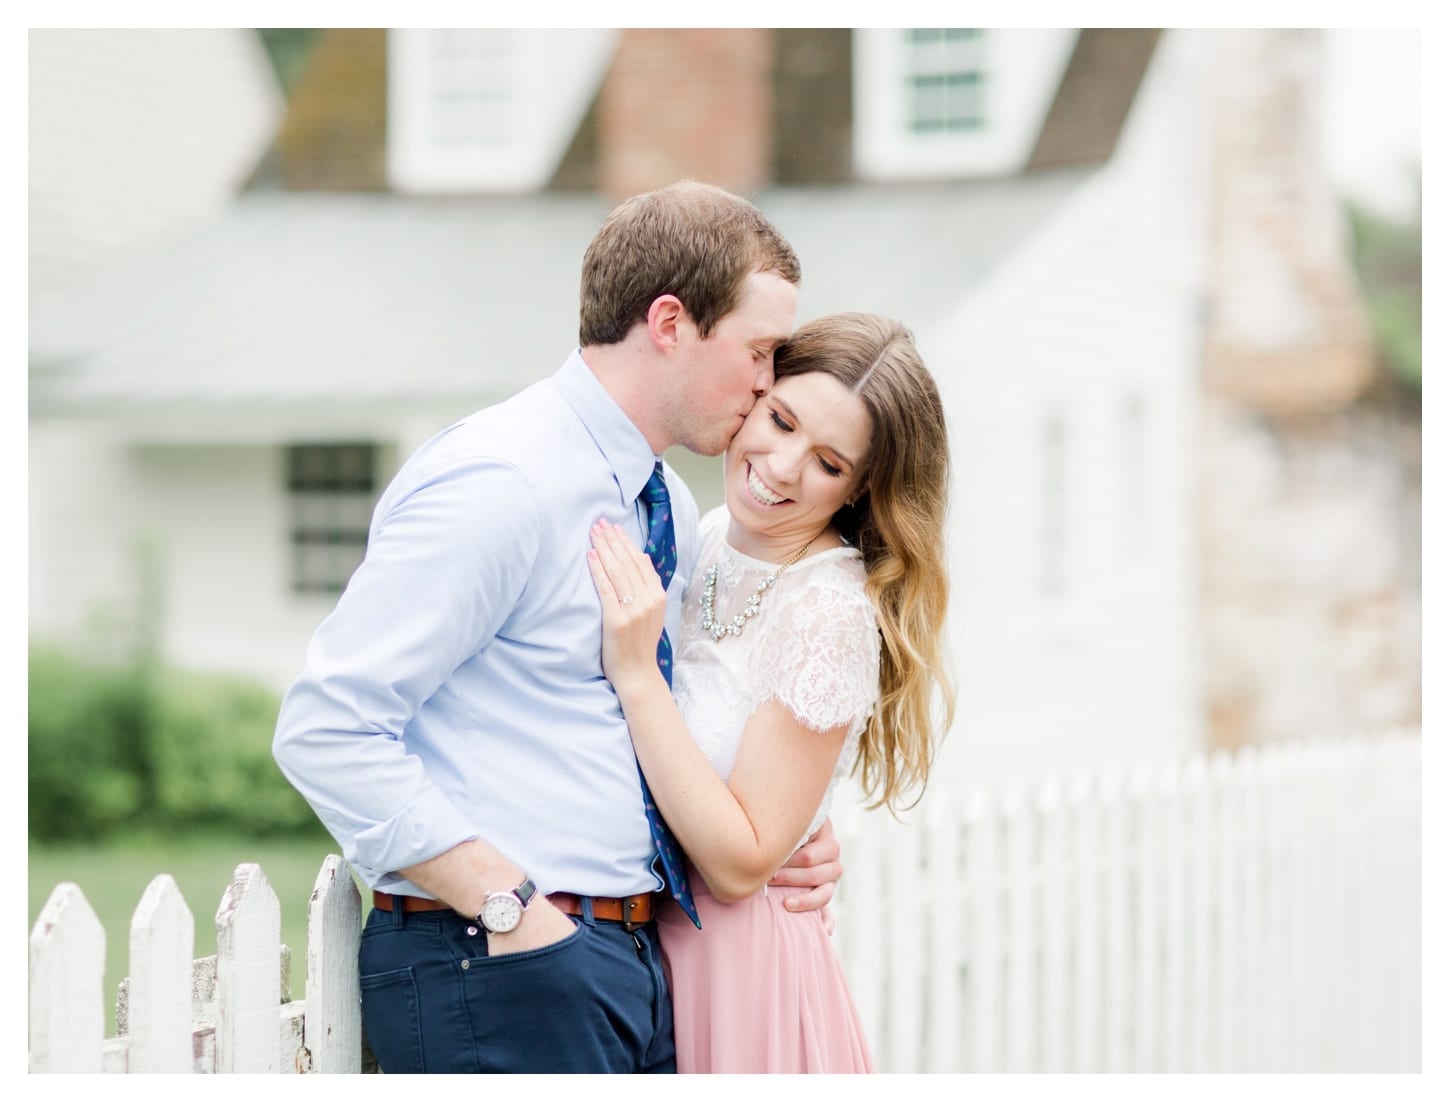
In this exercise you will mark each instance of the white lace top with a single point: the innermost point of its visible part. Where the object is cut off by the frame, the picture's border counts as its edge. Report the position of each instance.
(814, 646)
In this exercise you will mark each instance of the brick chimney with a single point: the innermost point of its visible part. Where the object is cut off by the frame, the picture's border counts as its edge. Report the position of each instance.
(1308, 505)
(1288, 332)
(686, 103)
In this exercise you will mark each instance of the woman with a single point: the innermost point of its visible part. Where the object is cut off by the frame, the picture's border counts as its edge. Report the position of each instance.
(811, 646)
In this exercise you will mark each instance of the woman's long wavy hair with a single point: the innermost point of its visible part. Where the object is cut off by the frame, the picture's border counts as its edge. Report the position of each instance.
(898, 522)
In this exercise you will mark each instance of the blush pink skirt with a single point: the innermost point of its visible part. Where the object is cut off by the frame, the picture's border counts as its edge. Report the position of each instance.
(758, 989)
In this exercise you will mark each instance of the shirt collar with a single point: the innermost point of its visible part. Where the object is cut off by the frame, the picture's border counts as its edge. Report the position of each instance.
(620, 442)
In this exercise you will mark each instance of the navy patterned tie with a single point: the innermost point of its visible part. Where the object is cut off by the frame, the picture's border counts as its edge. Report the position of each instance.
(659, 544)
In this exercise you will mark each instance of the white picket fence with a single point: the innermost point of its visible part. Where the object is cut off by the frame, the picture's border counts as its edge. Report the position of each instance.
(1254, 912)
(216, 1014)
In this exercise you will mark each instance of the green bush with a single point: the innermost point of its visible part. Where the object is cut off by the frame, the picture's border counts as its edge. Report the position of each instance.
(1388, 260)
(89, 768)
(116, 750)
(211, 752)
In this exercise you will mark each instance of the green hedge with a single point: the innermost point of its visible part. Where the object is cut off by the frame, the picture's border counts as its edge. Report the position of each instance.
(116, 750)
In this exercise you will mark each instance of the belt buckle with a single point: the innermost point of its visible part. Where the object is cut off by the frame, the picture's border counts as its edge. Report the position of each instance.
(628, 906)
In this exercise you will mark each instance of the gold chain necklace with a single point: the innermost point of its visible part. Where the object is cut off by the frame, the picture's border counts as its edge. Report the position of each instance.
(752, 603)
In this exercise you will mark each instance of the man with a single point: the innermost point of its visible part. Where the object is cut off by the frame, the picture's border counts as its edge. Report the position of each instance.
(452, 727)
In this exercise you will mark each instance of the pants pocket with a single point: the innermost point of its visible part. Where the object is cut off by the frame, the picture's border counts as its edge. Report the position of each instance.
(390, 1016)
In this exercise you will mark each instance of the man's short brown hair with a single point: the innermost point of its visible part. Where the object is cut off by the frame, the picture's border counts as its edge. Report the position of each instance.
(691, 240)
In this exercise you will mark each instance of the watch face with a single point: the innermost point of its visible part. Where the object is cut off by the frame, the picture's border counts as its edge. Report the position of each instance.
(501, 912)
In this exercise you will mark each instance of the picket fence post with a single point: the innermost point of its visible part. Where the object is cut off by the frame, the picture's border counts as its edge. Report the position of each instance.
(1116, 919)
(1173, 855)
(862, 918)
(983, 923)
(1085, 807)
(906, 935)
(1248, 1017)
(1020, 923)
(1228, 914)
(67, 961)
(1055, 885)
(163, 937)
(946, 952)
(1273, 885)
(1145, 891)
(334, 929)
(249, 933)
(1199, 970)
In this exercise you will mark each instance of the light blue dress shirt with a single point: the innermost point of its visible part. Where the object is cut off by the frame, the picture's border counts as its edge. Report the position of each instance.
(456, 691)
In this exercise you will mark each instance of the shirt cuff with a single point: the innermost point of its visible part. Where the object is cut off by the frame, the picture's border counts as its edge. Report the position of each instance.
(423, 830)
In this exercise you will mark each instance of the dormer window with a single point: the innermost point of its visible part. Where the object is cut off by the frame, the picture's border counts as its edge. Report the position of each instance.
(953, 101)
(487, 109)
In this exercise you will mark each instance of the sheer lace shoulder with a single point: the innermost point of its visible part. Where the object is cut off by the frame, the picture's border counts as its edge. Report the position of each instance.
(821, 655)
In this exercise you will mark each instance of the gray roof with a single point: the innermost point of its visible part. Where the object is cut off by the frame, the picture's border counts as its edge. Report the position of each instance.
(295, 300)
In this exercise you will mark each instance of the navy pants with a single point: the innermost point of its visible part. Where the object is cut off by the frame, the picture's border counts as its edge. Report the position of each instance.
(433, 1000)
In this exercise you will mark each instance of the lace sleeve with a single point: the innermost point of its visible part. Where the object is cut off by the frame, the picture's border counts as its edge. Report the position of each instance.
(821, 657)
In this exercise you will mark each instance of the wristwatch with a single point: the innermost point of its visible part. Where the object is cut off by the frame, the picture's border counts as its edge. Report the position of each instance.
(502, 911)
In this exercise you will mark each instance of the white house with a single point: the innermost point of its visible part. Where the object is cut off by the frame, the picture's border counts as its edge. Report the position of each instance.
(212, 420)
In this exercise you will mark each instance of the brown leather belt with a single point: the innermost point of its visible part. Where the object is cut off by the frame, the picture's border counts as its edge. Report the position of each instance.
(384, 902)
(632, 910)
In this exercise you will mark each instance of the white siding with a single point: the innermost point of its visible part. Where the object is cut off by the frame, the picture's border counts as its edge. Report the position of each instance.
(84, 533)
(1101, 305)
(135, 132)
(216, 520)
(223, 525)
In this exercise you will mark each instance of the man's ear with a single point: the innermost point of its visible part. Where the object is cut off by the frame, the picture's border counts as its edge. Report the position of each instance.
(664, 320)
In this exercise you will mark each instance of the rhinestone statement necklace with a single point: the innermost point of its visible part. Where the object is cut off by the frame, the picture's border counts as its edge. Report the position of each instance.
(752, 603)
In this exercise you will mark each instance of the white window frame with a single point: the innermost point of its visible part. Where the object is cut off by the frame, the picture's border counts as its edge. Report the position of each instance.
(1021, 72)
(546, 81)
